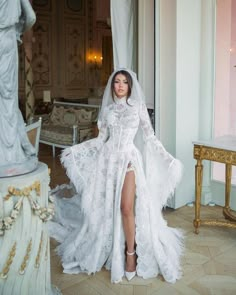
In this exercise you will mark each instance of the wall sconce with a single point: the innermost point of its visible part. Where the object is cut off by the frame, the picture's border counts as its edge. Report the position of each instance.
(95, 61)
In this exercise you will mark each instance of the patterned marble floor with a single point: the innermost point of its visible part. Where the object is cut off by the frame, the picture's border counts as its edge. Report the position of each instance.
(209, 263)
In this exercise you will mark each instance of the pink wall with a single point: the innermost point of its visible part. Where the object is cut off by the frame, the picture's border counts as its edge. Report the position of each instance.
(225, 90)
(222, 89)
(233, 70)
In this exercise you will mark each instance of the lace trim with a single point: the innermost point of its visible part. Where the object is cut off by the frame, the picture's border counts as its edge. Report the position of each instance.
(130, 167)
(120, 100)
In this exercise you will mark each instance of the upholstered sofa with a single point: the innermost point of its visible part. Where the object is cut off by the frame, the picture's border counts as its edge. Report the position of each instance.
(68, 124)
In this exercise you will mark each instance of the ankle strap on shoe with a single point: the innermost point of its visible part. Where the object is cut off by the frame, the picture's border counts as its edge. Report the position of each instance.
(130, 253)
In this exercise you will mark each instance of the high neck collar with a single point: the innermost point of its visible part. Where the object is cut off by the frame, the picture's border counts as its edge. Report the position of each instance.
(120, 100)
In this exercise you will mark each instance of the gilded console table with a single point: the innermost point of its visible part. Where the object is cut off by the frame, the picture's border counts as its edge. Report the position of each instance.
(222, 150)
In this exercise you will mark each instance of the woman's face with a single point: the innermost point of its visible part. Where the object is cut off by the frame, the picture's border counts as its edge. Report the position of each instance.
(121, 86)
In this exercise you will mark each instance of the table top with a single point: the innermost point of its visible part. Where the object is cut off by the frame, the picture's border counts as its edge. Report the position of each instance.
(226, 142)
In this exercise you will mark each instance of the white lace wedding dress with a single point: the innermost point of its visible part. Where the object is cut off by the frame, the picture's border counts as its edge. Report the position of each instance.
(89, 225)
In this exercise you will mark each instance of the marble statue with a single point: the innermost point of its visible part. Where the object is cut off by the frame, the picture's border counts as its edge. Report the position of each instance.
(24, 182)
(17, 155)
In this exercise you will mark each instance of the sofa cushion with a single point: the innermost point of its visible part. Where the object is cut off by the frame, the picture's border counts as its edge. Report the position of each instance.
(57, 114)
(84, 116)
(70, 118)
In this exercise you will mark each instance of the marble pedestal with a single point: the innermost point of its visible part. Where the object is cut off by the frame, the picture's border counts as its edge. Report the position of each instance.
(24, 240)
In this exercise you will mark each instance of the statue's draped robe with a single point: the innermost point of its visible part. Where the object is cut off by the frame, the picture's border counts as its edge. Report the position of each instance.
(15, 17)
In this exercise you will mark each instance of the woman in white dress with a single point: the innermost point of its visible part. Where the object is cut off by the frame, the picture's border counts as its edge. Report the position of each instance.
(123, 178)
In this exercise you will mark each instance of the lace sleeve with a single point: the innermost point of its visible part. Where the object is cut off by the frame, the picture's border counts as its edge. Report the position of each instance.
(146, 125)
(163, 171)
(149, 135)
(148, 132)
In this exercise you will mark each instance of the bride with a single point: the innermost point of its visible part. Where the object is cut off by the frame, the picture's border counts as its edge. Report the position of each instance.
(123, 178)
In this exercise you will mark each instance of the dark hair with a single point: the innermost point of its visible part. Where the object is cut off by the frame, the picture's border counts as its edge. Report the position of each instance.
(128, 78)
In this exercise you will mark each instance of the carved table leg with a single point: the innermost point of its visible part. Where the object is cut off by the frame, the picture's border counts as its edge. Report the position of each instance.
(226, 209)
(198, 192)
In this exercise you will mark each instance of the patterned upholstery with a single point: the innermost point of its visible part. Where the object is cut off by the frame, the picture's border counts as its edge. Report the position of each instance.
(59, 127)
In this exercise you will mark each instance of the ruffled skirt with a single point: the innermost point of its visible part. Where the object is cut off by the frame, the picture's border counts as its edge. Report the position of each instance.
(89, 225)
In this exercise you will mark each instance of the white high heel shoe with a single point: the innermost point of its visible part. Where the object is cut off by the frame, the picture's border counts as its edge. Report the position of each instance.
(130, 274)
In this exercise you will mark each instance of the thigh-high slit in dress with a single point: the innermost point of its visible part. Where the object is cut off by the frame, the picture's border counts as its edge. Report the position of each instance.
(89, 225)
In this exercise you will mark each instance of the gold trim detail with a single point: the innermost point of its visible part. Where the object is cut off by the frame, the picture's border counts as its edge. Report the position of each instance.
(218, 223)
(44, 213)
(214, 154)
(228, 214)
(26, 258)
(7, 222)
(16, 192)
(6, 268)
(202, 152)
(37, 260)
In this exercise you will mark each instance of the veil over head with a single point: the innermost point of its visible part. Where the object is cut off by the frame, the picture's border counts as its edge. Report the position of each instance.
(136, 92)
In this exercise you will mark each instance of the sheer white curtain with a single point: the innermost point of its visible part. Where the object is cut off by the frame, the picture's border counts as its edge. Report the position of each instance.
(123, 25)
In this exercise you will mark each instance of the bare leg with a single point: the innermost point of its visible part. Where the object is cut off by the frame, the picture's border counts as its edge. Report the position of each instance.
(127, 209)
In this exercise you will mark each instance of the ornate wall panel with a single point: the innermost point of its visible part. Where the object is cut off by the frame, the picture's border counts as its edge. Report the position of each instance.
(75, 6)
(66, 33)
(75, 55)
(104, 45)
(42, 54)
(42, 5)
